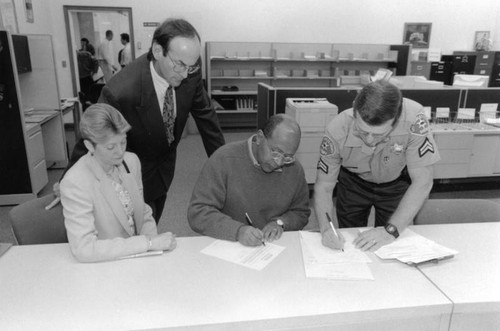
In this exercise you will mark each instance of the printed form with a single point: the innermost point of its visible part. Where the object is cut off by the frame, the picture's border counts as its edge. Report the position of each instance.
(256, 258)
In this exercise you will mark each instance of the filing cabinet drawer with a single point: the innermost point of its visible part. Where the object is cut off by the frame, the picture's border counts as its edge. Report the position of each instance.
(454, 141)
(35, 147)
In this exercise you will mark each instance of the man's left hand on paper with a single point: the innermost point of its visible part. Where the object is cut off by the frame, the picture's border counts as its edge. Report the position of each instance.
(373, 239)
(272, 231)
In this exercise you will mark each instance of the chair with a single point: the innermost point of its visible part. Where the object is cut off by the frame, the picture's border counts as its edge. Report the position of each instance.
(445, 211)
(32, 224)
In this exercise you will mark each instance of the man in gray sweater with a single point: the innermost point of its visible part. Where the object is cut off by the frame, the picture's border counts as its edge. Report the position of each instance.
(251, 191)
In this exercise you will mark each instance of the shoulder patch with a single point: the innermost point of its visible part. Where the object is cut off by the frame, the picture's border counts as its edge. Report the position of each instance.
(327, 147)
(426, 147)
(421, 125)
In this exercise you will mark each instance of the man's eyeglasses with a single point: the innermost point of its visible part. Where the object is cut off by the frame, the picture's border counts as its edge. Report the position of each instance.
(181, 67)
(280, 157)
(375, 136)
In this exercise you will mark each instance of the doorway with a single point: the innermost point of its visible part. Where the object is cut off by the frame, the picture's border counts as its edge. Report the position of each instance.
(92, 23)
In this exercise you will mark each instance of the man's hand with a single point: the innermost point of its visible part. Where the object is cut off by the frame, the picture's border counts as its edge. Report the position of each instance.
(272, 231)
(329, 239)
(373, 239)
(250, 236)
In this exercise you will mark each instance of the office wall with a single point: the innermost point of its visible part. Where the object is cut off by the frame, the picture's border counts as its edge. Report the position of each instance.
(358, 21)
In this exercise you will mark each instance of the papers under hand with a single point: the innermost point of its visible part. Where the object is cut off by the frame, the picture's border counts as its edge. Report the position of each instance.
(326, 263)
(251, 257)
(411, 248)
(149, 253)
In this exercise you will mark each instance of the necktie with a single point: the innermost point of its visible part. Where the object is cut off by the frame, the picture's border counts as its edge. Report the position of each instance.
(168, 114)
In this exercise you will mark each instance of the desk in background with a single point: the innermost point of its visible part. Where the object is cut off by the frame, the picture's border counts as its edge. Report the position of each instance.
(72, 105)
(472, 278)
(187, 289)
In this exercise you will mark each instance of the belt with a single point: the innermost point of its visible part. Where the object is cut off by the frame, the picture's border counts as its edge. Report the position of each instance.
(402, 177)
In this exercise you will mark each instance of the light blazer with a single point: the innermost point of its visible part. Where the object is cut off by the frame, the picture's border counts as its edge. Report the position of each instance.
(95, 220)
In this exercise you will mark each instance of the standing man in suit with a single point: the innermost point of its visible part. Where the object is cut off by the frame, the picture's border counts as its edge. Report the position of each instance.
(156, 93)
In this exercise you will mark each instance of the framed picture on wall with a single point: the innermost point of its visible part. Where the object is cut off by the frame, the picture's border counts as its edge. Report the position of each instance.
(417, 34)
(482, 41)
(28, 7)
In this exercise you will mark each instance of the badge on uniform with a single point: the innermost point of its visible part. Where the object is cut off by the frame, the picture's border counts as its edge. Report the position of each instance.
(327, 147)
(397, 148)
(421, 125)
(322, 166)
(425, 148)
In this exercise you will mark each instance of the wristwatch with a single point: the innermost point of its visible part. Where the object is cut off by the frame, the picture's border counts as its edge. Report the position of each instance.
(392, 230)
(280, 223)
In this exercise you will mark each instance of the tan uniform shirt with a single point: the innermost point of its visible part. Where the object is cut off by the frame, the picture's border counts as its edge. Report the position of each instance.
(409, 144)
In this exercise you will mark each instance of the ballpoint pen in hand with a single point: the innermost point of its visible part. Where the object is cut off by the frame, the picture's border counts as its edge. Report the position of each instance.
(249, 221)
(53, 203)
(333, 228)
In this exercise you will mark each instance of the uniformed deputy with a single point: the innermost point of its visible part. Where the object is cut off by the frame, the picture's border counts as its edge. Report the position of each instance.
(381, 153)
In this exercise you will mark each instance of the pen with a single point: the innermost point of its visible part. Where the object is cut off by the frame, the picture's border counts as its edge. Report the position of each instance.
(249, 221)
(333, 228)
(53, 203)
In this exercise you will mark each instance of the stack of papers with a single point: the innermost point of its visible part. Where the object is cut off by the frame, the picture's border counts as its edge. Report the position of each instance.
(412, 248)
(326, 263)
(251, 257)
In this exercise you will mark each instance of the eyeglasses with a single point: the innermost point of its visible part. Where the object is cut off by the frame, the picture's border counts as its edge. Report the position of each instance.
(280, 157)
(181, 67)
(375, 136)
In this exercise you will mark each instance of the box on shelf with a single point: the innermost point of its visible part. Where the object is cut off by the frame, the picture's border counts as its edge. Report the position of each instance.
(298, 73)
(246, 72)
(230, 72)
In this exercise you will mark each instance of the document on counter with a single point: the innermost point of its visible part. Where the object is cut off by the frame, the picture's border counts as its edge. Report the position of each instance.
(256, 258)
(4, 247)
(326, 263)
(411, 248)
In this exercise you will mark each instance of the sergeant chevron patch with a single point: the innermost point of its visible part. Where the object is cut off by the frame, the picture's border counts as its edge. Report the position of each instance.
(322, 166)
(425, 147)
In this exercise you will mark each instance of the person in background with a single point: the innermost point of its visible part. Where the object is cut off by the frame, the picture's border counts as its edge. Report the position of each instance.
(86, 69)
(156, 93)
(252, 190)
(379, 153)
(125, 54)
(104, 211)
(105, 57)
(87, 46)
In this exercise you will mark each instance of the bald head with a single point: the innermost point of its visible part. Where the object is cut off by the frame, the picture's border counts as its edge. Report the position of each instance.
(284, 130)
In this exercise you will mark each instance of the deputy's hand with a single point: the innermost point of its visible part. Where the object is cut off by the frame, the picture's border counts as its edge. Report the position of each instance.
(272, 231)
(329, 239)
(373, 239)
(163, 242)
(56, 190)
(250, 236)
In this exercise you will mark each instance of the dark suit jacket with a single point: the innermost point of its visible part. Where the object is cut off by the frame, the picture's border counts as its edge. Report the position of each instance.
(131, 91)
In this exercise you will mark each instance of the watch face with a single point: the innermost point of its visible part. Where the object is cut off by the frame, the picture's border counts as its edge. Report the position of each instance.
(391, 229)
(280, 222)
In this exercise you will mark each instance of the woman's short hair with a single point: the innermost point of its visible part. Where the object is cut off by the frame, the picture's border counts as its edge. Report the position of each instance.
(378, 102)
(100, 121)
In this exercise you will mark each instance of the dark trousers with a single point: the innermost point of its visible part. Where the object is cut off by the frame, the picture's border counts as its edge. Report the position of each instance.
(157, 206)
(356, 196)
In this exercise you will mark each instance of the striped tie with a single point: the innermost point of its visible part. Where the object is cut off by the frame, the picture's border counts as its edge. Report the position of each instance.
(168, 114)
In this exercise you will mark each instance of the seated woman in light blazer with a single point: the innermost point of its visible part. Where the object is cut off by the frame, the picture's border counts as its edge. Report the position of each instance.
(104, 210)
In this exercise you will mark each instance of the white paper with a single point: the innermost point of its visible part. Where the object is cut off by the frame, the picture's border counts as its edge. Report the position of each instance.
(323, 262)
(251, 257)
(315, 252)
(442, 112)
(427, 112)
(466, 113)
(487, 111)
(413, 248)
